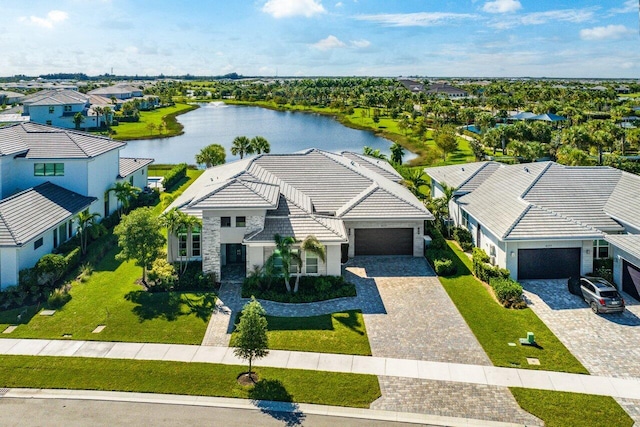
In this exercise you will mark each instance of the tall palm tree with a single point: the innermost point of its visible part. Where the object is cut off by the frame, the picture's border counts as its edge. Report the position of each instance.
(98, 111)
(85, 220)
(312, 245)
(124, 191)
(397, 151)
(259, 145)
(241, 145)
(211, 155)
(414, 180)
(177, 221)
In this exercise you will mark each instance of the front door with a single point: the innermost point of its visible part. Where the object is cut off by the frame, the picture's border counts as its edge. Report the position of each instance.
(235, 254)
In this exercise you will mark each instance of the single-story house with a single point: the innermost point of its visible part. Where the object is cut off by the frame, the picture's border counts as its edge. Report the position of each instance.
(545, 220)
(353, 204)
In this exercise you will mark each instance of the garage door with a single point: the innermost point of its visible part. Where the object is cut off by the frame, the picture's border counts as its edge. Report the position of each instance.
(384, 241)
(557, 263)
(631, 279)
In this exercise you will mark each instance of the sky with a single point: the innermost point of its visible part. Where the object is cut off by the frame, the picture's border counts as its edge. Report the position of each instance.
(440, 38)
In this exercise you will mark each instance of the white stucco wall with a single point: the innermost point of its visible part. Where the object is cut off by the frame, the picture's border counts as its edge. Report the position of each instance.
(41, 114)
(102, 173)
(8, 267)
(75, 175)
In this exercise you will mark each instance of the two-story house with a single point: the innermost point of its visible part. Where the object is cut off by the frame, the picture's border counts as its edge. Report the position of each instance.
(353, 204)
(59, 107)
(49, 175)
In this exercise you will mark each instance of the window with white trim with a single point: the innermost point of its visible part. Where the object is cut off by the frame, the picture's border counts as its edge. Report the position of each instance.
(311, 261)
(465, 219)
(196, 234)
(600, 249)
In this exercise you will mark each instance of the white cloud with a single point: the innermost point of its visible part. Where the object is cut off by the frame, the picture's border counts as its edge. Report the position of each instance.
(339, 4)
(287, 8)
(331, 42)
(420, 19)
(540, 18)
(54, 17)
(360, 44)
(628, 7)
(610, 32)
(502, 6)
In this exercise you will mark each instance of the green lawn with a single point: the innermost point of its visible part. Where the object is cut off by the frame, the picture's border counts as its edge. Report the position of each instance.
(199, 379)
(561, 409)
(496, 327)
(342, 333)
(111, 297)
(139, 130)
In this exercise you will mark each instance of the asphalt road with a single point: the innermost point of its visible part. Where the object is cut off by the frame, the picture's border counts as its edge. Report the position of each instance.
(68, 413)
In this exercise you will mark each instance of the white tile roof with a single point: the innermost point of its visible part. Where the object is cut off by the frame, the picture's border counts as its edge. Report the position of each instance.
(130, 165)
(629, 243)
(545, 200)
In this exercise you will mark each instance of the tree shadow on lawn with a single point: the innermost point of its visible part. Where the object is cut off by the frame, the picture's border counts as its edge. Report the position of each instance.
(350, 320)
(313, 323)
(171, 305)
(273, 399)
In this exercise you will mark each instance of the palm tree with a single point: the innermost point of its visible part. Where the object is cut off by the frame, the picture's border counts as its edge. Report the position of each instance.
(414, 180)
(78, 118)
(396, 153)
(284, 253)
(177, 221)
(85, 220)
(440, 206)
(124, 192)
(211, 155)
(98, 111)
(241, 145)
(188, 223)
(368, 151)
(259, 145)
(310, 245)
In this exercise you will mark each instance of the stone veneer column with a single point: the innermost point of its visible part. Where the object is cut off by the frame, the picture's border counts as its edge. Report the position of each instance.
(211, 245)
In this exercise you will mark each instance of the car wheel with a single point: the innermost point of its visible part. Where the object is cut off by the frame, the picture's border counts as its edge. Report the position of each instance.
(594, 307)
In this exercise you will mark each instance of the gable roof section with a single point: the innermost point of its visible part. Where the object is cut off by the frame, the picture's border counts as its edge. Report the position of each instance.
(27, 214)
(629, 243)
(55, 97)
(624, 202)
(577, 192)
(130, 165)
(537, 223)
(240, 193)
(379, 203)
(326, 229)
(48, 142)
(457, 175)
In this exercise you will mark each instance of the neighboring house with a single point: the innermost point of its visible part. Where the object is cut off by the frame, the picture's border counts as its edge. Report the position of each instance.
(59, 107)
(49, 175)
(8, 97)
(118, 91)
(412, 85)
(353, 204)
(445, 90)
(545, 220)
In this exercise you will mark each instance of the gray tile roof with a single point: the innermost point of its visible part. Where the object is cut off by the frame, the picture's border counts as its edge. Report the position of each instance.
(48, 142)
(130, 165)
(26, 215)
(378, 203)
(240, 193)
(546, 200)
(326, 229)
(56, 97)
(624, 202)
(629, 243)
(457, 175)
(378, 166)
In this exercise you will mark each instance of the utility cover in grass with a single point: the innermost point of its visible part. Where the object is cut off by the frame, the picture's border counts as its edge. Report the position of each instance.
(10, 329)
(99, 329)
(47, 312)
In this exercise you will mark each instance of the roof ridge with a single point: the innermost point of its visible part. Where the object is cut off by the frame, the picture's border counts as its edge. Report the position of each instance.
(241, 182)
(483, 166)
(281, 183)
(221, 187)
(356, 199)
(516, 221)
(4, 222)
(535, 181)
(328, 227)
(72, 138)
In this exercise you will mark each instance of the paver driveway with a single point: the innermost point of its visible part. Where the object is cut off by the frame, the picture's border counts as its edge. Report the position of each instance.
(606, 344)
(420, 322)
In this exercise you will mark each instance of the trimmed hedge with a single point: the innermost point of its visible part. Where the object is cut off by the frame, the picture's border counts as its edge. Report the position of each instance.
(508, 292)
(485, 271)
(311, 289)
(444, 267)
(177, 173)
(464, 239)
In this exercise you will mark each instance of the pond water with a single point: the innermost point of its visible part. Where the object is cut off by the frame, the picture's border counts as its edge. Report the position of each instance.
(287, 132)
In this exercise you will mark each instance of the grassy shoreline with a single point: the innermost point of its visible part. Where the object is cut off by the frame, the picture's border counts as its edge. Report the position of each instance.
(131, 131)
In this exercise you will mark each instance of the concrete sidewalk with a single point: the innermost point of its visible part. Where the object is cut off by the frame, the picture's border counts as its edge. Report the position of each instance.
(296, 409)
(382, 366)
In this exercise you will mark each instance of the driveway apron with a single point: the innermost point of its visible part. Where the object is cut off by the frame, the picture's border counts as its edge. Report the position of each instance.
(606, 344)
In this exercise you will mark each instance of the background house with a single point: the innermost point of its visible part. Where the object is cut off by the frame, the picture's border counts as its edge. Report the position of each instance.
(353, 204)
(545, 220)
(48, 175)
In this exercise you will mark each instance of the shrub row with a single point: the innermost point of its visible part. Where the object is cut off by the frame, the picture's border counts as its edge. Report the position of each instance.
(485, 271)
(444, 267)
(163, 277)
(311, 288)
(508, 292)
(463, 237)
(174, 176)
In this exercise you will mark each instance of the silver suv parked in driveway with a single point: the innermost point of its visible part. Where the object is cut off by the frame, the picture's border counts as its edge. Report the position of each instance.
(601, 295)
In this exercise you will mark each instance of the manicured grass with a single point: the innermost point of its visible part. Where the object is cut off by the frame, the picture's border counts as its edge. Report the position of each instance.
(199, 379)
(495, 326)
(342, 333)
(139, 130)
(178, 189)
(111, 297)
(561, 409)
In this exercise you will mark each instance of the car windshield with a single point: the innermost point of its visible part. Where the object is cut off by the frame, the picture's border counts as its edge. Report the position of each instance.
(609, 294)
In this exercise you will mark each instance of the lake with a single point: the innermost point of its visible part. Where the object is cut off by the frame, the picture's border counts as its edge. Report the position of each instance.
(287, 132)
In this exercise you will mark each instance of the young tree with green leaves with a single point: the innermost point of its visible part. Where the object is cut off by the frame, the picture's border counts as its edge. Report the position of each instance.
(211, 155)
(251, 339)
(85, 220)
(446, 140)
(397, 151)
(124, 192)
(140, 238)
(78, 119)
